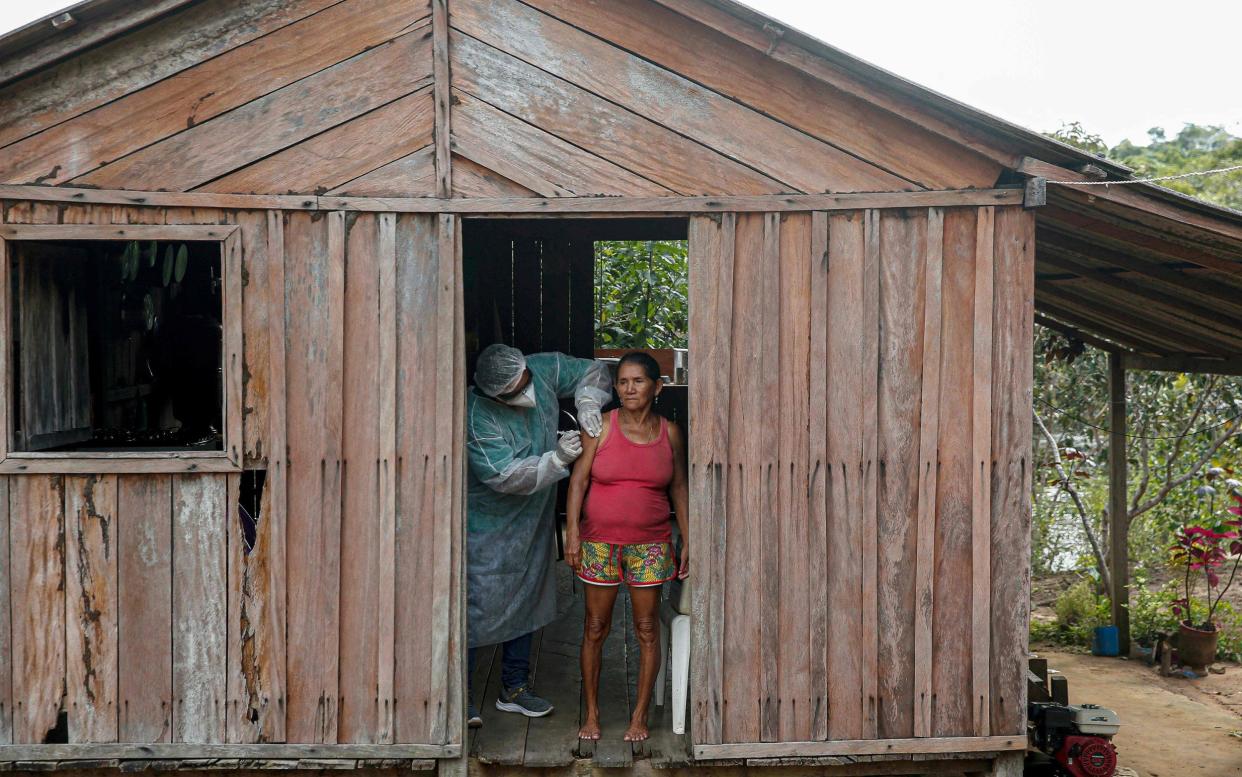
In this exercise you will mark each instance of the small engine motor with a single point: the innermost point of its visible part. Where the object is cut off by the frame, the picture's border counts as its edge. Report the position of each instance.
(1069, 740)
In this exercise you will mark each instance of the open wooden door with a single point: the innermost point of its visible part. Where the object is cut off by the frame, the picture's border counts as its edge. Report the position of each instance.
(859, 480)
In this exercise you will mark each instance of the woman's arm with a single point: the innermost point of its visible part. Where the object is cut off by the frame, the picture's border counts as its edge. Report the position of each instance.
(579, 481)
(679, 493)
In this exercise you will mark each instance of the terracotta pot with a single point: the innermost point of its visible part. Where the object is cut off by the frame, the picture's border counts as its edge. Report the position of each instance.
(1195, 647)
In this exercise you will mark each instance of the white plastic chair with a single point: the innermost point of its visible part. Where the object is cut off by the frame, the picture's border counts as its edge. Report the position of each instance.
(676, 629)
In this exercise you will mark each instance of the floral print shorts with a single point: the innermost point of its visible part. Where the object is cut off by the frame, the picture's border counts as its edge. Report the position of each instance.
(639, 565)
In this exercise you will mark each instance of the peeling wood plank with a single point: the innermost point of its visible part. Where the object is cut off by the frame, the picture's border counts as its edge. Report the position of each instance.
(864, 747)
(37, 535)
(475, 179)
(818, 463)
(122, 66)
(276, 121)
(442, 77)
(91, 607)
(871, 251)
(413, 175)
(203, 92)
(6, 622)
(200, 507)
(386, 258)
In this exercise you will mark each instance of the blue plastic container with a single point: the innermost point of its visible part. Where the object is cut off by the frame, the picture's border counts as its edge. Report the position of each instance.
(1104, 641)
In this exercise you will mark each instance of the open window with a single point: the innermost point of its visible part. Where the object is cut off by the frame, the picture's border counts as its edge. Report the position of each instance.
(121, 347)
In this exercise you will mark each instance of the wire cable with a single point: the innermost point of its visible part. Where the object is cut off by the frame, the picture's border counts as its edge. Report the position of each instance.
(1076, 418)
(1157, 179)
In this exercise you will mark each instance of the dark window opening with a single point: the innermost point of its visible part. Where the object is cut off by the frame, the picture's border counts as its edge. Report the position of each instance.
(116, 346)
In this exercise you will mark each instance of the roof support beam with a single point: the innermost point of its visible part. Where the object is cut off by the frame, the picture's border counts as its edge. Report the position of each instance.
(1118, 512)
(1146, 198)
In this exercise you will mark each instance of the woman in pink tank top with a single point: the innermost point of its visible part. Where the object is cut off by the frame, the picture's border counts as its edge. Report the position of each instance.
(620, 529)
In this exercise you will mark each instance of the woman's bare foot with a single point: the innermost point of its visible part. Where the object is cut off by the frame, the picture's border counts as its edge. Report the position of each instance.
(637, 732)
(590, 729)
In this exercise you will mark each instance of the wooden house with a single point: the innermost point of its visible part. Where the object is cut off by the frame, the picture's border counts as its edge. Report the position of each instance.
(280, 582)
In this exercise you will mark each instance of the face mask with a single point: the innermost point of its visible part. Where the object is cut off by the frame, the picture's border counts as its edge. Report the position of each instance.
(526, 398)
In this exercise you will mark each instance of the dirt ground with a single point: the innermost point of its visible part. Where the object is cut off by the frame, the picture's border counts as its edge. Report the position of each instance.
(1170, 727)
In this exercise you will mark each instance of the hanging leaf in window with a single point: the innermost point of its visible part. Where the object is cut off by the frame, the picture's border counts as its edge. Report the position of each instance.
(168, 265)
(183, 260)
(148, 311)
(152, 253)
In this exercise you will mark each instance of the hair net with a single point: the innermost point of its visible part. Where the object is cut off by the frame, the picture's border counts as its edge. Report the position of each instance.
(498, 368)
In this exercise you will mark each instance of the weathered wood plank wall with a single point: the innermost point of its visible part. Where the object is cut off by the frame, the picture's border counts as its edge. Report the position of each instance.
(883, 334)
(357, 502)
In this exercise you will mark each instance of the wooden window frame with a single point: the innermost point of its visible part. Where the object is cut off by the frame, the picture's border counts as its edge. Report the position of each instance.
(228, 459)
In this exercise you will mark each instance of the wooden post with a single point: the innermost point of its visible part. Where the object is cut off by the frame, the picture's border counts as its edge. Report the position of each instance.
(1118, 515)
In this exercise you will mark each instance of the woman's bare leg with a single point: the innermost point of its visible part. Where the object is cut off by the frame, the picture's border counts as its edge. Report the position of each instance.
(599, 602)
(646, 602)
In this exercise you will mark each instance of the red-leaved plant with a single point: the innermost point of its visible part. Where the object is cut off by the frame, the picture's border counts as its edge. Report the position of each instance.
(1207, 549)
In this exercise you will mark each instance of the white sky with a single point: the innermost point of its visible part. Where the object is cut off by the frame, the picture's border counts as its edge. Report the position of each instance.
(1034, 63)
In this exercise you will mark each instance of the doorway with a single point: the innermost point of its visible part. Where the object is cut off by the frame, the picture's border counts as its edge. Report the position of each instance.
(590, 288)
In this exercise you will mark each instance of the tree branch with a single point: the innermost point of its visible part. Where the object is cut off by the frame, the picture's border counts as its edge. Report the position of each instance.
(1068, 485)
(1181, 479)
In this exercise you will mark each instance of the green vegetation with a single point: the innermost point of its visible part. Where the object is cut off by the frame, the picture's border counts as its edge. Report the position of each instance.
(642, 292)
(1185, 453)
(1192, 149)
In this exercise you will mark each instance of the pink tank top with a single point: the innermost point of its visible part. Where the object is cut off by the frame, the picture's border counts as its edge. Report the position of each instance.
(627, 502)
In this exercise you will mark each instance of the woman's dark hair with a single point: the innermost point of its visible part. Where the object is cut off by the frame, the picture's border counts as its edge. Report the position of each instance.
(650, 366)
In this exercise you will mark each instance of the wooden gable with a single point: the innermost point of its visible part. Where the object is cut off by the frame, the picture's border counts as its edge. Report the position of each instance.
(549, 98)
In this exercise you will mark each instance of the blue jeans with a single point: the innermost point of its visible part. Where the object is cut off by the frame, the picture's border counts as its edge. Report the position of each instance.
(514, 662)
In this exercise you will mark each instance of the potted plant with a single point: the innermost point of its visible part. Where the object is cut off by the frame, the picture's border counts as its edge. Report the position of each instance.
(1205, 549)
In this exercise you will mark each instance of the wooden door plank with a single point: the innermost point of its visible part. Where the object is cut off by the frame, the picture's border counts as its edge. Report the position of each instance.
(413, 175)
(200, 507)
(274, 122)
(763, 450)
(819, 605)
(314, 291)
(1011, 477)
(848, 373)
(416, 311)
(951, 600)
(527, 318)
(734, 130)
(711, 246)
(798, 696)
(91, 607)
(554, 289)
(145, 624)
(903, 246)
(256, 575)
(36, 510)
(537, 159)
(360, 530)
(203, 92)
(592, 123)
(981, 476)
(928, 475)
(502, 740)
(124, 65)
(342, 154)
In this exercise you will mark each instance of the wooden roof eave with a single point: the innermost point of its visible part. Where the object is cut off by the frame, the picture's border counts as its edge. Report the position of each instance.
(41, 43)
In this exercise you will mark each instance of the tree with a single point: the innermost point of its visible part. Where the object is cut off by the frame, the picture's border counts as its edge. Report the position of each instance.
(642, 294)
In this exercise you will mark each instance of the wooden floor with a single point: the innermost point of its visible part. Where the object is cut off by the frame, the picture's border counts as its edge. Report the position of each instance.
(515, 740)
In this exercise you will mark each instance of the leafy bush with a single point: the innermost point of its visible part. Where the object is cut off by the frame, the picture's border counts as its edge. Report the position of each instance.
(1078, 611)
(1151, 610)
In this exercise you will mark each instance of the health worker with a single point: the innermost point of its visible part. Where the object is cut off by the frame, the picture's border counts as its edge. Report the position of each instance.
(515, 459)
